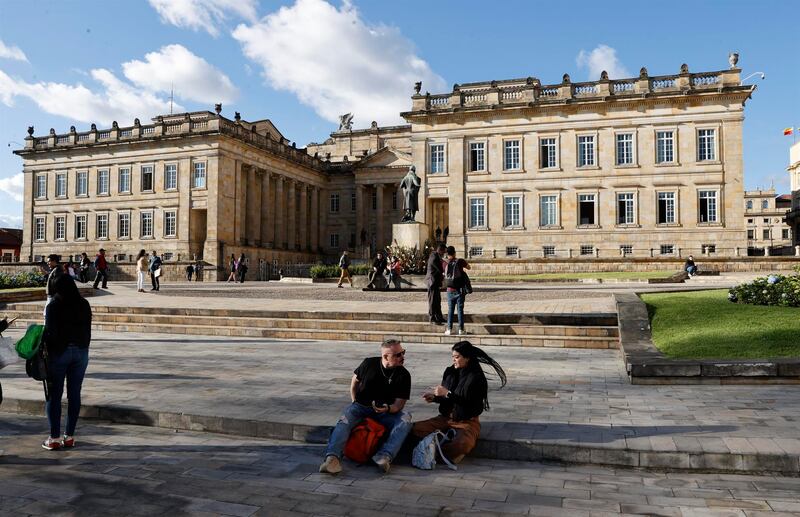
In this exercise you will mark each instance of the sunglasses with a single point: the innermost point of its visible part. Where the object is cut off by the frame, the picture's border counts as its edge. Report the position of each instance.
(398, 355)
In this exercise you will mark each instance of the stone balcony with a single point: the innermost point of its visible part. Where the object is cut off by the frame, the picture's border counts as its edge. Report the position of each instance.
(168, 127)
(530, 92)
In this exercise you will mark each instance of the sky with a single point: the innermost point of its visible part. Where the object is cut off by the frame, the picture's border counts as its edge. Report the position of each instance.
(302, 63)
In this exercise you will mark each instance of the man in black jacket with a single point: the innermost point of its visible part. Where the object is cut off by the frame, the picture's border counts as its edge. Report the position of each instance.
(433, 280)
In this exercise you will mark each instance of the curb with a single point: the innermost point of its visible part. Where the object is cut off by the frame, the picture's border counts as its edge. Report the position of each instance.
(509, 449)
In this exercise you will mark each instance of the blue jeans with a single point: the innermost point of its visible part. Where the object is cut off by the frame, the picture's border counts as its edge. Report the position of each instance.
(397, 424)
(455, 299)
(70, 365)
(691, 270)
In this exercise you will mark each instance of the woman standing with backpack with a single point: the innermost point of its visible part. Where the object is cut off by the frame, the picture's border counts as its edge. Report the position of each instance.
(455, 279)
(67, 333)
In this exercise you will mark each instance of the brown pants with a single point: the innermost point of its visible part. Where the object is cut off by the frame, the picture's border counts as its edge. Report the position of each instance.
(467, 433)
(345, 276)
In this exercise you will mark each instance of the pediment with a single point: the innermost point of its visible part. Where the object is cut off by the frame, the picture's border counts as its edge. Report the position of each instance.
(387, 157)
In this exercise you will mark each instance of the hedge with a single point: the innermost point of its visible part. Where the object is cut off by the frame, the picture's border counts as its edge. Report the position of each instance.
(32, 278)
(779, 290)
(333, 271)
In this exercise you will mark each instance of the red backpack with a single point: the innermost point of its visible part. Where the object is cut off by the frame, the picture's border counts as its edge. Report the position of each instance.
(363, 441)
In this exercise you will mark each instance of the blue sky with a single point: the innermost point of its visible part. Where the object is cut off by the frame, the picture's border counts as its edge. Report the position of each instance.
(301, 63)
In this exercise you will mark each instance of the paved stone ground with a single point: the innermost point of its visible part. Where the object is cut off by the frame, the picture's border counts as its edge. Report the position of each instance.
(129, 470)
(565, 396)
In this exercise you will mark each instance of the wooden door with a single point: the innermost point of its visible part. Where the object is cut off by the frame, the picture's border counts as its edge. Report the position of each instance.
(439, 216)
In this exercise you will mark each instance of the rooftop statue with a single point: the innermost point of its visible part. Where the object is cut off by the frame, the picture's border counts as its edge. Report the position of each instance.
(345, 122)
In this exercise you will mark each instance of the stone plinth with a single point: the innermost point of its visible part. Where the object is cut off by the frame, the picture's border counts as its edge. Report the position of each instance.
(412, 234)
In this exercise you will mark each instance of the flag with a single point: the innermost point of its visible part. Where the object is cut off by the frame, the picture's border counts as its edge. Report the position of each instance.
(788, 131)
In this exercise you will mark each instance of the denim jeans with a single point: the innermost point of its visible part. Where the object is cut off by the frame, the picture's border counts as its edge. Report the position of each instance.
(70, 365)
(455, 299)
(398, 426)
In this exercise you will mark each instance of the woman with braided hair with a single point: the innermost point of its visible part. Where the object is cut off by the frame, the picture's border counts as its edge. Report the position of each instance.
(462, 397)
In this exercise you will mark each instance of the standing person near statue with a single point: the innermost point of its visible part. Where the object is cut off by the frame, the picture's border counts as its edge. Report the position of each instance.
(84, 268)
(433, 280)
(379, 389)
(101, 266)
(155, 271)
(344, 265)
(455, 279)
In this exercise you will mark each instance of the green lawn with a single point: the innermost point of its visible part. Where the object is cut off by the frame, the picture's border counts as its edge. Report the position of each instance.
(607, 275)
(704, 324)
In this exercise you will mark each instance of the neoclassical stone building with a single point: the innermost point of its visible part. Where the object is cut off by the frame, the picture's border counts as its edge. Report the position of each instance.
(767, 232)
(793, 216)
(647, 166)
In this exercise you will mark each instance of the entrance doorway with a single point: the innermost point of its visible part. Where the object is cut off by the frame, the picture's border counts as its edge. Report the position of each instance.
(439, 216)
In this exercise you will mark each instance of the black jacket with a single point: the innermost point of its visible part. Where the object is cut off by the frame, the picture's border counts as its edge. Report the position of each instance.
(435, 273)
(52, 277)
(67, 323)
(468, 389)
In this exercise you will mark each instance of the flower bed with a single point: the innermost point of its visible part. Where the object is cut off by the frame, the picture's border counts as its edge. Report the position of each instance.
(777, 290)
(32, 278)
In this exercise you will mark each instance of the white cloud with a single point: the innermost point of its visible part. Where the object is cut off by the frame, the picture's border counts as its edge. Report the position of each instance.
(203, 14)
(13, 186)
(193, 77)
(12, 52)
(114, 100)
(10, 221)
(336, 63)
(601, 58)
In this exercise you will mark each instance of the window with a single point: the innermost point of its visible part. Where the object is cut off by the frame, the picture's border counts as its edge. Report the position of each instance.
(477, 212)
(171, 177)
(766, 233)
(548, 211)
(334, 240)
(334, 203)
(170, 223)
(124, 225)
(146, 225)
(512, 211)
(710, 248)
(547, 153)
(477, 156)
(665, 147)
(549, 251)
(82, 184)
(511, 155)
(587, 250)
(512, 251)
(750, 221)
(764, 204)
(586, 151)
(766, 220)
(61, 184)
(124, 179)
(61, 228)
(785, 233)
(586, 209)
(166, 256)
(706, 148)
(625, 208)
(352, 201)
(80, 227)
(436, 155)
(103, 182)
(666, 208)
(41, 186)
(147, 178)
(199, 175)
(749, 204)
(667, 249)
(708, 206)
(476, 251)
(626, 249)
(751, 234)
(625, 149)
(374, 199)
(39, 233)
(352, 240)
(102, 226)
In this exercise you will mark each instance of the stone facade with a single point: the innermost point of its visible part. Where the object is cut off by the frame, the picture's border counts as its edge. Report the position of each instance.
(640, 167)
(764, 214)
(793, 216)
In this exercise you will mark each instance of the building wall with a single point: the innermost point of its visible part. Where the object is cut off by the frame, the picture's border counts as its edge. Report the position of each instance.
(764, 220)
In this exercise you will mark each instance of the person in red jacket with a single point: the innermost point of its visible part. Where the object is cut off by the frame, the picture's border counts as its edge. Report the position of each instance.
(101, 266)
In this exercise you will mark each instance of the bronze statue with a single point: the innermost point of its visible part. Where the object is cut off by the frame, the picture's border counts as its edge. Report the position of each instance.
(410, 185)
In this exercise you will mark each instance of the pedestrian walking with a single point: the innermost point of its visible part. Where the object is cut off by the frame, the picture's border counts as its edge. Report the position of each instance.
(433, 280)
(84, 268)
(344, 265)
(198, 270)
(189, 272)
(154, 267)
(456, 283)
(142, 267)
(233, 265)
(67, 333)
(241, 268)
(101, 266)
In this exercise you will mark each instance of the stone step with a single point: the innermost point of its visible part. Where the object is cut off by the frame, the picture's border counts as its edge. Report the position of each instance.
(492, 329)
(593, 342)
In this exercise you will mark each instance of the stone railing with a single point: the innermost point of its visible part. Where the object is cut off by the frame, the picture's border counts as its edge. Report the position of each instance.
(530, 91)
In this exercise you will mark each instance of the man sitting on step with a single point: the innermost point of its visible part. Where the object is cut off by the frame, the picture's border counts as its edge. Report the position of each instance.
(379, 389)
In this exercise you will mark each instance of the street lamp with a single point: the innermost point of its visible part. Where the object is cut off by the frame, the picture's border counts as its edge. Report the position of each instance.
(762, 74)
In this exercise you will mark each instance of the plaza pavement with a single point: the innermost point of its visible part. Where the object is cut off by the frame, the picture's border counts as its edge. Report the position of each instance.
(132, 470)
(569, 404)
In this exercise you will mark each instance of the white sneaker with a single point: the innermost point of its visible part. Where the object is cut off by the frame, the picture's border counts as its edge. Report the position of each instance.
(383, 463)
(447, 332)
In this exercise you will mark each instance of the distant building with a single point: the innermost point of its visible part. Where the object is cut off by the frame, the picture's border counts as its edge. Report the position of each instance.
(767, 232)
(793, 217)
(10, 243)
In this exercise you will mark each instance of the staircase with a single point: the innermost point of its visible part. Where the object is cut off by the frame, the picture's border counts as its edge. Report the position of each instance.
(597, 331)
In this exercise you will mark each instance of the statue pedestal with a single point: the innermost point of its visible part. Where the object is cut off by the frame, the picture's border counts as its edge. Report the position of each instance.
(412, 235)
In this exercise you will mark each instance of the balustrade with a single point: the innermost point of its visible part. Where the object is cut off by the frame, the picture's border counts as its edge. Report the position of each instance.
(549, 92)
(585, 90)
(660, 84)
(623, 86)
(511, 95)
(705, 80)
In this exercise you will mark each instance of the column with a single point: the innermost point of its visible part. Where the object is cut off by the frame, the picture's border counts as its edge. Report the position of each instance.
(302, 231)
(267, 211)
(314, 218)
(360, 226)
(322, 230)
(254, 206)
(291, 220)
(240, 203)
(379, 234)
(279, 211)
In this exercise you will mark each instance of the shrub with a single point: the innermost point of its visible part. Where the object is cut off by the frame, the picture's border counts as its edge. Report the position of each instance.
(779, 290)
(332, 271)
(33, 278)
